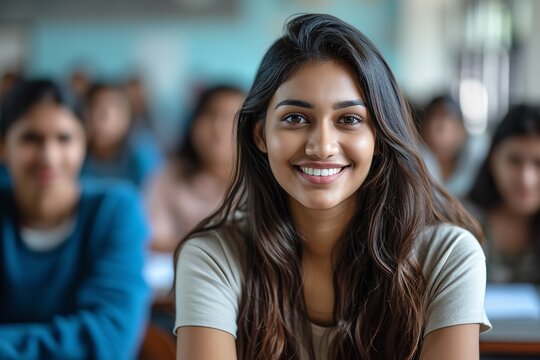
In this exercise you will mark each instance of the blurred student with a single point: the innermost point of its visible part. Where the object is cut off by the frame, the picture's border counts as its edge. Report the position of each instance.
(115, 149)
(195, 179)
(452, 156)
(71, 250)
(78, 87)
(8, 80)
(138, 100)
(507, 198)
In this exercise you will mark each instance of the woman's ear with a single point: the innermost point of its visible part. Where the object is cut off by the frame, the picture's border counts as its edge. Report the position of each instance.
(259, 136)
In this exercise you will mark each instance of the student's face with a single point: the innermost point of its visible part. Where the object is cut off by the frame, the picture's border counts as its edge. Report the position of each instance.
(515, 165)
(44, 149)
(212, 133)
(318, 136)
(108, 118)
(444, 133)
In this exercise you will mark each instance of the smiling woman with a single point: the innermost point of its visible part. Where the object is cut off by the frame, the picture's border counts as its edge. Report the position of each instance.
(333, 242)
(324, 137)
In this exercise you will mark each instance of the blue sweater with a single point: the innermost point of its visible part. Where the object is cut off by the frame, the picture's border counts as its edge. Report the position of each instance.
(137, 159)
(4, 176)
(86, 298)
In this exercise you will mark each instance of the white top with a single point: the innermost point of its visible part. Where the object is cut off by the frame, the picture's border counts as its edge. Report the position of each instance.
(209, 278)
(41, 240)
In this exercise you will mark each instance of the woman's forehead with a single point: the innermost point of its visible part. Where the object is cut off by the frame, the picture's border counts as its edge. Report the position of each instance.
(327, 81)
(45, 115)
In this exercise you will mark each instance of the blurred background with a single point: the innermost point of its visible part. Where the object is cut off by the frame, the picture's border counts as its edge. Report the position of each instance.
(463, 62)
(483, 51)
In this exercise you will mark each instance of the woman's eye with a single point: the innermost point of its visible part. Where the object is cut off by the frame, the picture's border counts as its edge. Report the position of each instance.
(294, 119)
(30, 138)
(513, 160)
(351, 120)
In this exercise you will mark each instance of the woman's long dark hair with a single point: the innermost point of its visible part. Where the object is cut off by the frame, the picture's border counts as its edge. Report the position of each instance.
(379, 296)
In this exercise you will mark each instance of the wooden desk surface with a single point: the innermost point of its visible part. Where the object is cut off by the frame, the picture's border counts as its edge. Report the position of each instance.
(509, 348)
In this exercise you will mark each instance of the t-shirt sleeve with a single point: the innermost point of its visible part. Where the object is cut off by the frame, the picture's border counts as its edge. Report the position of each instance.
(457, 283)
(207, 286)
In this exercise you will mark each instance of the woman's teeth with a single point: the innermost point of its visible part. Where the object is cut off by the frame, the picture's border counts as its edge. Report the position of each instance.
(319, 172)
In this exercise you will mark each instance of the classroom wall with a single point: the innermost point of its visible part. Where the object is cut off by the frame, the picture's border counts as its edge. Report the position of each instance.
(175, 54)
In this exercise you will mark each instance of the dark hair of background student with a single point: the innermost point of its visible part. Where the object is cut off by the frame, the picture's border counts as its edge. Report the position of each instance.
(24, 96)
(450, 105)
(379, 286)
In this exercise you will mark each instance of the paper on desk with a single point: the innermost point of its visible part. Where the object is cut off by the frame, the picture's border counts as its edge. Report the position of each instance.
(159, 271)
(512, 301)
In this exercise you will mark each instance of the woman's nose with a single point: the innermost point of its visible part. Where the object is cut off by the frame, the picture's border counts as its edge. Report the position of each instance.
(323, 141)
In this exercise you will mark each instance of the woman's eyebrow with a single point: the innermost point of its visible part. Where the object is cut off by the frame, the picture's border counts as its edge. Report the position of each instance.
(349, 103)
(294, 102)
(305, 104)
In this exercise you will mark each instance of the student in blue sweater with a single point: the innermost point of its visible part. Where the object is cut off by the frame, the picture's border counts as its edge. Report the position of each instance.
(71, 251)
(116, 147)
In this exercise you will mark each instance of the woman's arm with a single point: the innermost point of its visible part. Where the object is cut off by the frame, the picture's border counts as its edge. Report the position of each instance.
(203, 343)
(452, 342)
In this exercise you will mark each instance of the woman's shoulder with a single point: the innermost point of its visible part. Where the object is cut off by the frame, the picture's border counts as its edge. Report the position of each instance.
(224, 243)
(120, 198)
(444, 246)
(224, 247)
(209, 279)
(454, 268)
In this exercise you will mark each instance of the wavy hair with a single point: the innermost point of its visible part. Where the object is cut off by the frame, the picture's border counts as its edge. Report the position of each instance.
(379, 297)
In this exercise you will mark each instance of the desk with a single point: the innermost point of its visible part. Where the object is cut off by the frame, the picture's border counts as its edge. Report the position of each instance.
(509, 336)
(512, 335)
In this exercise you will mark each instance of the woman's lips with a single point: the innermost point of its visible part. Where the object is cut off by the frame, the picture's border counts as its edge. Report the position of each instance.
(45, 175)
(321, 175)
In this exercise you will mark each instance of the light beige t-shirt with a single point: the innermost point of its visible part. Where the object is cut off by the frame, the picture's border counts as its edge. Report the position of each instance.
(211, 271)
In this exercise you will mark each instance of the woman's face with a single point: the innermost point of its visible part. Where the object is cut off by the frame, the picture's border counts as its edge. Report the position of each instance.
(515, 165)
(108, 119)
(44, 149)
(212, 134)
(444, 133)
(318, 136)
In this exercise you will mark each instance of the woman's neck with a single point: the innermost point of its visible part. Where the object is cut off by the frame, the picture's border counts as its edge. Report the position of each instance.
(321, 229)
(47, 209)
(104, 152)
(447, 167)
(511, 215)
(509, 230)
